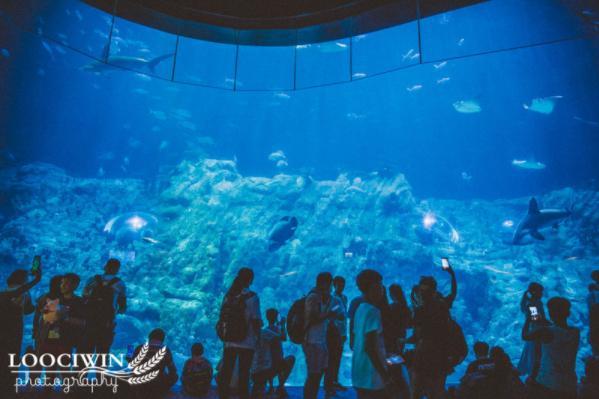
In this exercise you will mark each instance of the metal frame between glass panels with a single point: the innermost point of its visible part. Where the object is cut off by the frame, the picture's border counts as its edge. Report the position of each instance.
(18, 18)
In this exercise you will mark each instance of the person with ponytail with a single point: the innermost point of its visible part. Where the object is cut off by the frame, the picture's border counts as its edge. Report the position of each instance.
(239, 327)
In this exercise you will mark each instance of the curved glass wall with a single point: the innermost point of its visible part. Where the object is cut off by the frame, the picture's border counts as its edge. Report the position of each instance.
(464, 115)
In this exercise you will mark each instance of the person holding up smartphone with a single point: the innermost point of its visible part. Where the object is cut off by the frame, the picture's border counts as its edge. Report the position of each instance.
(15, 302)
(532, 307)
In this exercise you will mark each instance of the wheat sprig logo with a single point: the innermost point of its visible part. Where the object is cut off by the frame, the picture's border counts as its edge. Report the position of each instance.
(140, 356)
(137, 371)
(150, 364)
(144, 378)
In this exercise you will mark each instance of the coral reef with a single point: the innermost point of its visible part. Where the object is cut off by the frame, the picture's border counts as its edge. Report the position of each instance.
(212, 221)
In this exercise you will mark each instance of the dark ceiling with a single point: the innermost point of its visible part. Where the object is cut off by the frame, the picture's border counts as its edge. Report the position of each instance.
(274, 22)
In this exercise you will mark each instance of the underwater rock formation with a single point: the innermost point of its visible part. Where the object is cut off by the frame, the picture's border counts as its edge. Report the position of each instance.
(211, 220)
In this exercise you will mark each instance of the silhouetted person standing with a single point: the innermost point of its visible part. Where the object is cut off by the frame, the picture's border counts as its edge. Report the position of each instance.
(432, 323)
(336, 336)
(556, 376)
(105, 297)
(593, 302)
(242, 350)
(532, 298)
(14, 302)
(370, 376)
(317, 314)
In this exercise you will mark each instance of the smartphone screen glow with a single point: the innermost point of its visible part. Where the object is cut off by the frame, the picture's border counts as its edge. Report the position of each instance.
(445, 263)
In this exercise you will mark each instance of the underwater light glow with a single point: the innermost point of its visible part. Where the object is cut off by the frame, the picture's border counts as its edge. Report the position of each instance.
(136, 222)
(508, 223)
(429, 220)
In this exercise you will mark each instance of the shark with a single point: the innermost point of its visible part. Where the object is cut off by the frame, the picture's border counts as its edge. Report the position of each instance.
(125, 62)
(537, 219)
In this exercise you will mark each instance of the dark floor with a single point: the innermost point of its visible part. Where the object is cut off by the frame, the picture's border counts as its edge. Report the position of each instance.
(294, 393)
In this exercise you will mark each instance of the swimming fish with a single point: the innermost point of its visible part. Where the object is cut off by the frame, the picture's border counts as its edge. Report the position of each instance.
(543, 105)
(440, 65)
(182, 113)
(277, 156)
(282, 95)
(587, 122)
(443, 80)
(160, 115)
(410, 55)
(122, 61)
(133, 142)
(414, 88)
(5, 53)
(106, 156)
(359, 75)
(281, 232)
(188, 125)
(494, 270)
(282, 163)
(47, 48)
(466, 176)
(525, 164)
(150, 240)
(467, 106)
(332, 47)
(352, 116)
(537, 219)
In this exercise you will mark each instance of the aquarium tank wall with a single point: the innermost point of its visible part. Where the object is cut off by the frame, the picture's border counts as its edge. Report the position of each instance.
(392, 148)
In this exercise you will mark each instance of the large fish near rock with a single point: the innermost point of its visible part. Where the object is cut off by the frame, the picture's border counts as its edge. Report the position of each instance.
(537, 219)
(281, 232)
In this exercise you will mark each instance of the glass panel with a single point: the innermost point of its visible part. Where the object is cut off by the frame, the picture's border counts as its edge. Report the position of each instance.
(205, 63)
(385, 50)
(495, 25)
(265, 68)
(142, 49)
(69, 22)
(322, 63)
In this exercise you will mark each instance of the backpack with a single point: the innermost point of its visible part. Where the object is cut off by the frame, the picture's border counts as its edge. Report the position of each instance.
(457, 347)
(100, 302)
(296, 321)
(196, 378)
(232, 325)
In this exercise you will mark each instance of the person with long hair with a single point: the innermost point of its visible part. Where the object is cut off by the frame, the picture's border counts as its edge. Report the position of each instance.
(241, 351)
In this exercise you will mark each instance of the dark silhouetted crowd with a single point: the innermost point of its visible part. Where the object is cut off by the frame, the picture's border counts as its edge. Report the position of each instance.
(398, 349)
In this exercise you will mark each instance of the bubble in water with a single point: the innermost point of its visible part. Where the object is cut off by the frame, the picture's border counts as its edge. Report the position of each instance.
(436, 228)
(130, 227)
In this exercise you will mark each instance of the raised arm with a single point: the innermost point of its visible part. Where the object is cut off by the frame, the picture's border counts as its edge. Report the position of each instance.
(454, 287)
(524, 302)
(20, 290)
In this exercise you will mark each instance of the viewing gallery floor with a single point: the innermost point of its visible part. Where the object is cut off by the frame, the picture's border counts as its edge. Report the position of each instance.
(294, 393)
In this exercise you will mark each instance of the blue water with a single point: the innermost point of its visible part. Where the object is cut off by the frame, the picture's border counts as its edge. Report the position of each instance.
(451, 116)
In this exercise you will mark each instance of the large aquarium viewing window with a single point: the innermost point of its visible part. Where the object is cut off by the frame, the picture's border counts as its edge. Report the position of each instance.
(188, 140)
